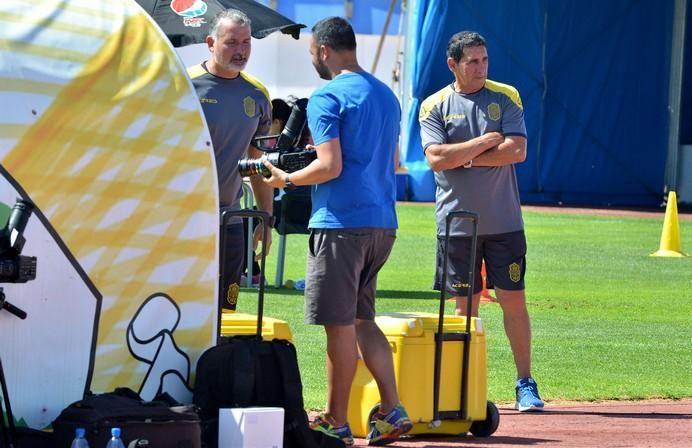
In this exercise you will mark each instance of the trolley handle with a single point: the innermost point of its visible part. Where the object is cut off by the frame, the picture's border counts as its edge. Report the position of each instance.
(452, 216)
(265, 219)
(440, 337)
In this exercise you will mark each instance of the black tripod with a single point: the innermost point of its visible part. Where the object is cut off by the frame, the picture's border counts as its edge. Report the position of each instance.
(8, 432)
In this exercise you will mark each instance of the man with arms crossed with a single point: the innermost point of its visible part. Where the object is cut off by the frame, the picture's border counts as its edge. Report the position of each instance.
(473, 133)
(354, 121)
(237, 108)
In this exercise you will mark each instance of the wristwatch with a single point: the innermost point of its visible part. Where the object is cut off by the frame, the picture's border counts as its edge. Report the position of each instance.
(468, 164)
(287, 181)
(272, 222)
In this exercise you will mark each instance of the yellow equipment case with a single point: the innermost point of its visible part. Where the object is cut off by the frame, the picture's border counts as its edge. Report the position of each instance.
(440, 364)
(412, 339)
(240, 324)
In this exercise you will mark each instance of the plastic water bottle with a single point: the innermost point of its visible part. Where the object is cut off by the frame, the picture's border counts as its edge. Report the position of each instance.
(115, 441)
(79, 441)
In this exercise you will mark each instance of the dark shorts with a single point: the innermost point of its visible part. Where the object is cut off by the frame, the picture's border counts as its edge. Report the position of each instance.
(505, 262)
(231, 265)
(341, 276)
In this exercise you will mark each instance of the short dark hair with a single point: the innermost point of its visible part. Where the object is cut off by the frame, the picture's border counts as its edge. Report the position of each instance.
(462, 40)
(280, 110)
(234, 15)
(334, 32)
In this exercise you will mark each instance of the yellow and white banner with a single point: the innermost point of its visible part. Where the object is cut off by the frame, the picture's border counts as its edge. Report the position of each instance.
(101, 130)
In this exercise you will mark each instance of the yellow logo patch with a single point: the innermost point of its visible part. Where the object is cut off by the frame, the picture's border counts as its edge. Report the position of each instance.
(249, 106)
(232, 295)
(494, 112)
(515, 272)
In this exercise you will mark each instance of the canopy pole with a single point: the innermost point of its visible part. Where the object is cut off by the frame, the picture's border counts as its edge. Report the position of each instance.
(392, 4)
(674, 95)
(398, 54)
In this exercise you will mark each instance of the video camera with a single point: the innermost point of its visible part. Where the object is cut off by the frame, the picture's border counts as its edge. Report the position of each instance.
(16, 268)
(285, 155)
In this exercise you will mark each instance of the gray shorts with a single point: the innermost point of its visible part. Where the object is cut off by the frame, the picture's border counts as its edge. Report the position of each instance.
(505, 262)
(341, 276)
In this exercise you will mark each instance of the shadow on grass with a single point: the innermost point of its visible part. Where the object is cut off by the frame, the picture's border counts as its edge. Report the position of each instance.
(468, 441)
(381, 294)
(507, 440)
(638, 415)
(270, 290)
(654, 415)
(396, 294)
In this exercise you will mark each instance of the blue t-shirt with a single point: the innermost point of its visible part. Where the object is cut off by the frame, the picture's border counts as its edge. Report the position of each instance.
(365, 115)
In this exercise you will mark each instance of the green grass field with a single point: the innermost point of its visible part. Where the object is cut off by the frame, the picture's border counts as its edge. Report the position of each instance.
(609, 321)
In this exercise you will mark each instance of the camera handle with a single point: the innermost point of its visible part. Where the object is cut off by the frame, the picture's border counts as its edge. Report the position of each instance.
(4, 304)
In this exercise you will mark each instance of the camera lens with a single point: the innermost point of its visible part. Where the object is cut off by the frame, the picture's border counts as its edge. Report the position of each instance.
(250, 167)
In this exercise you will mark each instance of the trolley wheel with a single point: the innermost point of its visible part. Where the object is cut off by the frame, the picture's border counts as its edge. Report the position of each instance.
(487, 427)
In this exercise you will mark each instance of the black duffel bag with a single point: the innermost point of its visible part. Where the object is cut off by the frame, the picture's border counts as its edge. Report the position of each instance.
(162, 422)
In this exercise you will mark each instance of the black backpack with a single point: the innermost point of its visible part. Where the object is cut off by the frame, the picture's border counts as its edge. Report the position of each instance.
(244, 371)
(247, 371)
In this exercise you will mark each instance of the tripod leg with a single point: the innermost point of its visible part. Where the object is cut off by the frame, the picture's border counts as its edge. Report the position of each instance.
(9, 432)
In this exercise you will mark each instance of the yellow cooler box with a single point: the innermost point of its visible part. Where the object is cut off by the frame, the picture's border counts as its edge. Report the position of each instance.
(240, 324)
(412, 339)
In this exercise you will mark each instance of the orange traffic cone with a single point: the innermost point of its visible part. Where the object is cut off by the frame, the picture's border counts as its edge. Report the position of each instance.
(485, 294)
(670, 236)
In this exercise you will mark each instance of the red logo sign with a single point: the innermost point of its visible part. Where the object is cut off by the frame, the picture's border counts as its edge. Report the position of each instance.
(189, 8)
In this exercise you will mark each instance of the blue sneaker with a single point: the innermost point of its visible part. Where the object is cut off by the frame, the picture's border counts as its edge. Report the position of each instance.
(322, 424)
(527, 396)
(386, 429)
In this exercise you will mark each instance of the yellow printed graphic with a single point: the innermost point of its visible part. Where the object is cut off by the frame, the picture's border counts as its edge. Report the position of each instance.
(119, 164)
